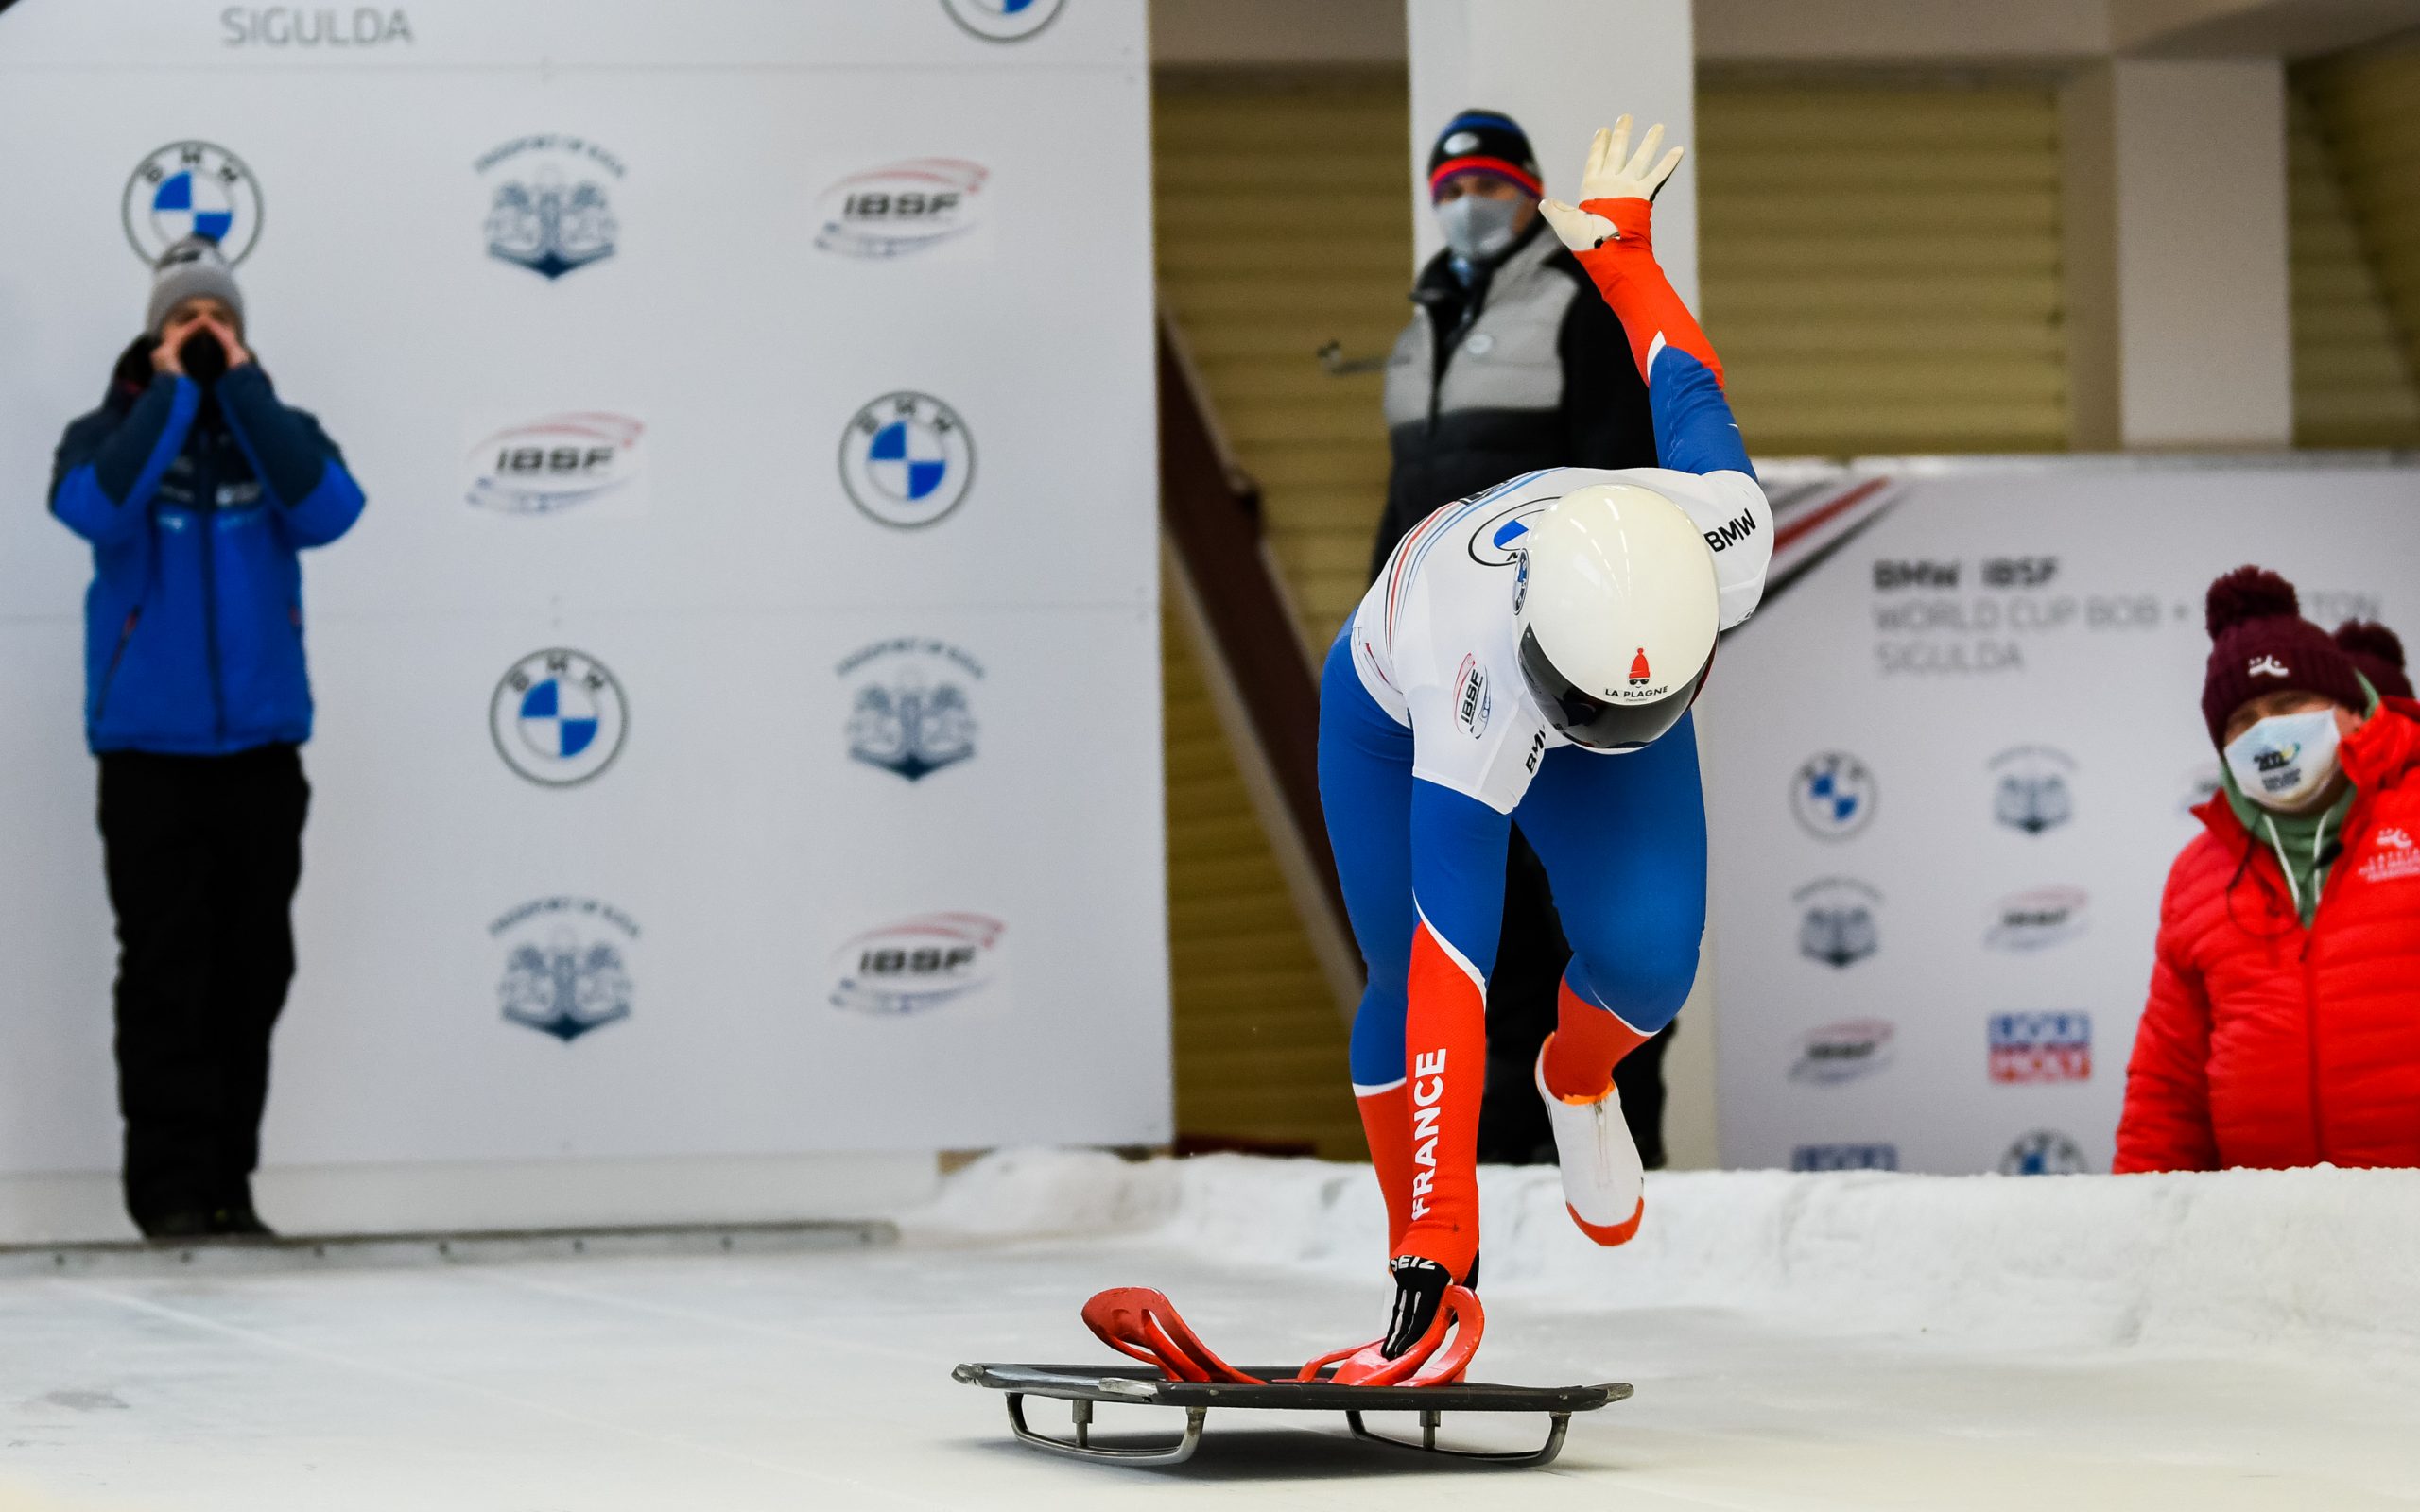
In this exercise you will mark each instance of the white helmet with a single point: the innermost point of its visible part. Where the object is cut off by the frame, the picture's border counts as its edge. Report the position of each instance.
(1617, 611)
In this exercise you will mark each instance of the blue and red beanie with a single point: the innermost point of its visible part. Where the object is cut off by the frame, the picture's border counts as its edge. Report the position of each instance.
(2260, 643)
(1484, 142)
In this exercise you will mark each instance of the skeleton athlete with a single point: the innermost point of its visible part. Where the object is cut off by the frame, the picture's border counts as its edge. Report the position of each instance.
(1530, 653)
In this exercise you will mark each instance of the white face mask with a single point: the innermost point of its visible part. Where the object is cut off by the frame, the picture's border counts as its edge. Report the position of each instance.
(1477, 226)
(2283, 760)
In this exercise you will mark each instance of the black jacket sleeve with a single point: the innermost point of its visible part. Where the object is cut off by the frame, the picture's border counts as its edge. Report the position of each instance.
(1605, 417)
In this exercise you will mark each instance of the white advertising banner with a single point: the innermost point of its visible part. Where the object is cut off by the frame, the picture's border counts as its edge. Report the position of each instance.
(1949, 766)
(737, 719)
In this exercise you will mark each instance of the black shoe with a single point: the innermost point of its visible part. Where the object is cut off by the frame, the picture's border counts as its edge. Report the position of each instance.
(1420, 1290)
(238, 1221)
(192, 1224)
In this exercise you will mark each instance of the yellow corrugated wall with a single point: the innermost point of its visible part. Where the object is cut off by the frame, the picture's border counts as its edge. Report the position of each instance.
(2355, 186)
(1281, 226)
(1879, 264)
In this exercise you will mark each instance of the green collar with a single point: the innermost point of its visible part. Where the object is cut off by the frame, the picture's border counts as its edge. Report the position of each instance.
(2301, 842)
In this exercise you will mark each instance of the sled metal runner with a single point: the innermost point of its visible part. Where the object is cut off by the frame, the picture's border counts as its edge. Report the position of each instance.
(1080, 1385)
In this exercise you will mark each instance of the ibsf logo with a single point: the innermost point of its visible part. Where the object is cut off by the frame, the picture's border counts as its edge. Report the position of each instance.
(1472, 702)
(901, 208)
(917, 964)
(1836, 920)
(2044, 1152)
(558, 717)
(2041, 1047)
(907, 461)
(191, 189)
(2036, 919)
(1844, 1157)
(2030, 790)
(556, 463)
(548, 209)
(1832, 795)
(1003, 19)
(909, 712)
(566, 965)
(1842, 1051)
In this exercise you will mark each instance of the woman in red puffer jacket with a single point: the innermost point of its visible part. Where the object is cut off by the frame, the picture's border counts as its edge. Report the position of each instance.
(2284, 1022)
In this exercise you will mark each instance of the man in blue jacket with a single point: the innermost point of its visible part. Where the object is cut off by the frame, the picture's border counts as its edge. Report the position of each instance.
(197, 488)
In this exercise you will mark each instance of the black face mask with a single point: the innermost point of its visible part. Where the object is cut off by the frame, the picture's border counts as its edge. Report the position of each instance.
(204, 359)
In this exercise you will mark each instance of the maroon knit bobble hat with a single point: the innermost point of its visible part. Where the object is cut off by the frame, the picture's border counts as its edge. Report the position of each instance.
(2378, 653)
(2260, 643)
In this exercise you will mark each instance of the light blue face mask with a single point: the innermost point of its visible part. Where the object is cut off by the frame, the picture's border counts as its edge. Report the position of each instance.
(2283, 760)
(1477, 227)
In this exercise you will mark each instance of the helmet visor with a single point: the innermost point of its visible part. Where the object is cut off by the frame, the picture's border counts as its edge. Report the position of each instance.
(1601, 724)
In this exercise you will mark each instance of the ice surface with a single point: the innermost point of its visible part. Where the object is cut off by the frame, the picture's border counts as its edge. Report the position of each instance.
(1799, 1341)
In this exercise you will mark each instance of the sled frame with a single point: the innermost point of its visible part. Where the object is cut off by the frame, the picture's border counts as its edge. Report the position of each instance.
(1080, 1386)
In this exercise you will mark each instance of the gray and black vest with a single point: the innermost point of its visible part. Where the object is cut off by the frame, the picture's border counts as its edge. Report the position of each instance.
(1527, 368)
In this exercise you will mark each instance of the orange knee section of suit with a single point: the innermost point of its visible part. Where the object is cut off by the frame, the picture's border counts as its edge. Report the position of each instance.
(1587, 1043)
(1445, 1076)
(1386, 1121)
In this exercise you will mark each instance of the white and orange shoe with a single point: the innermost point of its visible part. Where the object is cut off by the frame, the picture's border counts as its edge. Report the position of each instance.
(1605, 1185)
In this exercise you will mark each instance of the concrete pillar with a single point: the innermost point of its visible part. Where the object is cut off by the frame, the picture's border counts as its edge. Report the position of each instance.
(2175, 242)
(1561, 68)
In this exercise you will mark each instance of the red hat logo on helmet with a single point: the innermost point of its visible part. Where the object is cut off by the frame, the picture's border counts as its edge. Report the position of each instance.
(1638, 673)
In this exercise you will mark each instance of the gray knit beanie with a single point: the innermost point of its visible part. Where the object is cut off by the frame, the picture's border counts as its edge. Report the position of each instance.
(193, 269)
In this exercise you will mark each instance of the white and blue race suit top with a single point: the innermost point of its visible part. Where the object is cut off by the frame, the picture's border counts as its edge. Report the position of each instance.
(1435, 639)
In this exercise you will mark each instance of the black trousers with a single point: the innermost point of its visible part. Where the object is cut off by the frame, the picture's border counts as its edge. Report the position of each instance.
(204, 854)
(1521, 1009)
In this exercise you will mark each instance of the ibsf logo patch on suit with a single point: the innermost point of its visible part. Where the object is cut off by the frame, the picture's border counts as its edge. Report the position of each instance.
(907, 461)
(919, 964)
(558, 717)
(1473, 703)
(910, 711)
(191, 189)
(566, 965)
(903, 208)
(549, 203)
(2041, 1047)
(558, 462)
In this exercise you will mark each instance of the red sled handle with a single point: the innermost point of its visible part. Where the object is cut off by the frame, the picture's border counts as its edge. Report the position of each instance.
(1142, 1322)
(1430, 1362)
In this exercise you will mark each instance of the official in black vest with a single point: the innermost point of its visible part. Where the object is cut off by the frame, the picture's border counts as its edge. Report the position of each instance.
(1512, 364)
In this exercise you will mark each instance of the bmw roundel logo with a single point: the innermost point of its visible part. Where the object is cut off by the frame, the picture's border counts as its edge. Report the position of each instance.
(1003, 19)
(907, 461)
(192, 189)
(559, 718)
(1832, 795)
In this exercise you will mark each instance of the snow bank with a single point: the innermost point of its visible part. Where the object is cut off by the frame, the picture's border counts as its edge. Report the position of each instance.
(2234, 1259)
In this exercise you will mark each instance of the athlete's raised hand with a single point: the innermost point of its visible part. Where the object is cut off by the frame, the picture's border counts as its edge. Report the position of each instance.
(1613, 172)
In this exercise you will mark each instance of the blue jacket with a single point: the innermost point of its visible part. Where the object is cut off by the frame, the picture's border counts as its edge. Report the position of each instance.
(197, 505)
